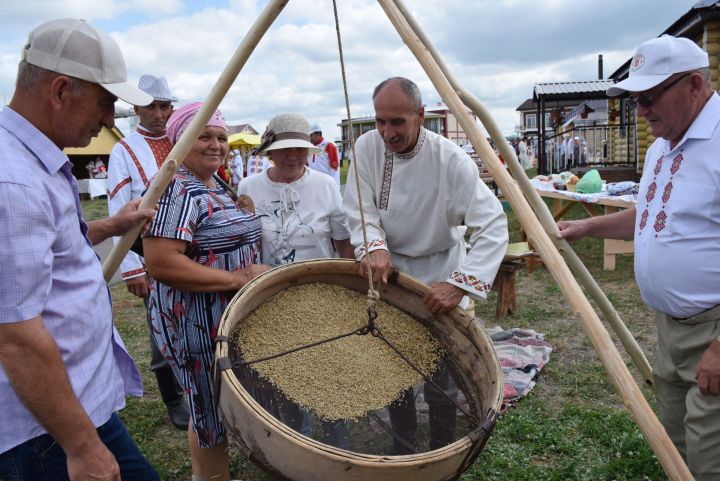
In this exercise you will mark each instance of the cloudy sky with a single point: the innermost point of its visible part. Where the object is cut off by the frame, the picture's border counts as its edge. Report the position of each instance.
(497, 49)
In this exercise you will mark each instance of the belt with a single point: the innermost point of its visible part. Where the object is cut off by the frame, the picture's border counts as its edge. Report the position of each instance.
(712, 314)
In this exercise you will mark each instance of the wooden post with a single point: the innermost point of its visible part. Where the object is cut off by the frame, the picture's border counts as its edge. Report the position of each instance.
(631, 395)
(180, 150)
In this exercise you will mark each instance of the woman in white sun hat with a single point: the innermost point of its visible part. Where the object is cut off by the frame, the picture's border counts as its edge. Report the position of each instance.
(300, 209)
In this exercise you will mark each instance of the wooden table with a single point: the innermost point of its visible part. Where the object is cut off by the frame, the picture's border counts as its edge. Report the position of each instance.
(562, 201)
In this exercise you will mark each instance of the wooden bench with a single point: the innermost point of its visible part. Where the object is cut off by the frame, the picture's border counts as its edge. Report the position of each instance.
(504, 284)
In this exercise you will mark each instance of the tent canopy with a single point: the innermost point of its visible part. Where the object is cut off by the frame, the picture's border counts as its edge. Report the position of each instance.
(100, 145)
(241, 138)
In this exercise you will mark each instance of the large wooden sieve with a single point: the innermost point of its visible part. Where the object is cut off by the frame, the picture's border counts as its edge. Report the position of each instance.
(290, 455)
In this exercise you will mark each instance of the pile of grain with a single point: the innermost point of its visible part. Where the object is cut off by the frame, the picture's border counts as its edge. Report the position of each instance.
(342, 379)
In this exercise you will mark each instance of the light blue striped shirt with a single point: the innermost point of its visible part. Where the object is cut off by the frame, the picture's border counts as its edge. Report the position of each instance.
(48, 269)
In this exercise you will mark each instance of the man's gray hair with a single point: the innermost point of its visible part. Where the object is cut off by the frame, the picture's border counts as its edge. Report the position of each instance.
(30, 76)
(408, 87)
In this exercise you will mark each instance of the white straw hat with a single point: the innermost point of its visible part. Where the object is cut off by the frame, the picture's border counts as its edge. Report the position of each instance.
(656, 60)
(285, 131)
(157, 87)
(75, 48)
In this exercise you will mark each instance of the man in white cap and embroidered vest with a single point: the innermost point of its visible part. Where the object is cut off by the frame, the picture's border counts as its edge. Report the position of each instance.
(64, 371)
(676, 226)
(134, 161)
(327, 161)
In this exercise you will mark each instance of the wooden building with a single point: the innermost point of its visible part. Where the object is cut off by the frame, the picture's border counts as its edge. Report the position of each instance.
(700, 24)
(556, 112)
(579, 110)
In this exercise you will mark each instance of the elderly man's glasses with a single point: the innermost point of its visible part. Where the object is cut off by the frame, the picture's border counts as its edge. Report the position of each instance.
(646, 100)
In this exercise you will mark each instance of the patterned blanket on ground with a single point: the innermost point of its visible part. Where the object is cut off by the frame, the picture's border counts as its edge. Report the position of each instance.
(522, 354)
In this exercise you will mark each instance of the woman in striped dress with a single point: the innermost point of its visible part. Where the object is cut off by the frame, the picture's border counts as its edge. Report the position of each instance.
(199, 250)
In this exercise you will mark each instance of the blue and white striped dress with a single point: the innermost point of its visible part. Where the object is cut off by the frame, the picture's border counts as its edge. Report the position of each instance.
(185, 323)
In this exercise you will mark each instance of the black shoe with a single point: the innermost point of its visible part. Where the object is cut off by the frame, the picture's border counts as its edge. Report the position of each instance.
(179, 414)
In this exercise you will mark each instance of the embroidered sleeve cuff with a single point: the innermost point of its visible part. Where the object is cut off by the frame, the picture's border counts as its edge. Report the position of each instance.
(470, 283)
(373, 245)
(132, 274)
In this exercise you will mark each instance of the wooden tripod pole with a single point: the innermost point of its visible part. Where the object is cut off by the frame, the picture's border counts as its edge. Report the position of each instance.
(625, 385)
(180, 150)
(541, 210)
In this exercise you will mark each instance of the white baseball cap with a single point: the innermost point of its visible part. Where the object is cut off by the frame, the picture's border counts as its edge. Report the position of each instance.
(656, 60)
(73, 47)
(157, 87)
(315, 127)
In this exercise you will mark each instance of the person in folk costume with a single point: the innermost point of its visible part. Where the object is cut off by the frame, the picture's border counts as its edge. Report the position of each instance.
(235, 162)
(418, 190)
(327, 160)
(523, 154)
(257, 163)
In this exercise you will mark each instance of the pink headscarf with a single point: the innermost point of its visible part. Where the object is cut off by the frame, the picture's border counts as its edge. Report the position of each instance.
(181, 118)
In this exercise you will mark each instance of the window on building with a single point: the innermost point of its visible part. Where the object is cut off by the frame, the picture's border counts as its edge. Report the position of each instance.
(530, 121)
(434, 125)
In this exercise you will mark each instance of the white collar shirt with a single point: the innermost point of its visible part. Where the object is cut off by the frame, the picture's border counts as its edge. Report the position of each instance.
(677, 227)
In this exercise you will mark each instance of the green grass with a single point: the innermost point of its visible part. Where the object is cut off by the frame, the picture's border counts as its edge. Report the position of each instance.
(344, 173)
(573, 442)
(572, 426)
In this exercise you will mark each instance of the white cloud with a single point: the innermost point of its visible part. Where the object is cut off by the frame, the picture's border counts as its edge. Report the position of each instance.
(496, 49)
(38, 11)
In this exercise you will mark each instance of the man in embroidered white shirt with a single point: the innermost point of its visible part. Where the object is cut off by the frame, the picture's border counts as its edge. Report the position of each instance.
(418, 188)
(675, 226)
(133, 163)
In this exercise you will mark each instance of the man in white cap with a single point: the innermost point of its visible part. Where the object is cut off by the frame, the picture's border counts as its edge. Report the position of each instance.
(327, 161)
(64, 369)
(133, 163)
(676, 226)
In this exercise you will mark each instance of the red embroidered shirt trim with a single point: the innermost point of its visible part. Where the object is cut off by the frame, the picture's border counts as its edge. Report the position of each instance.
(120, 185)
